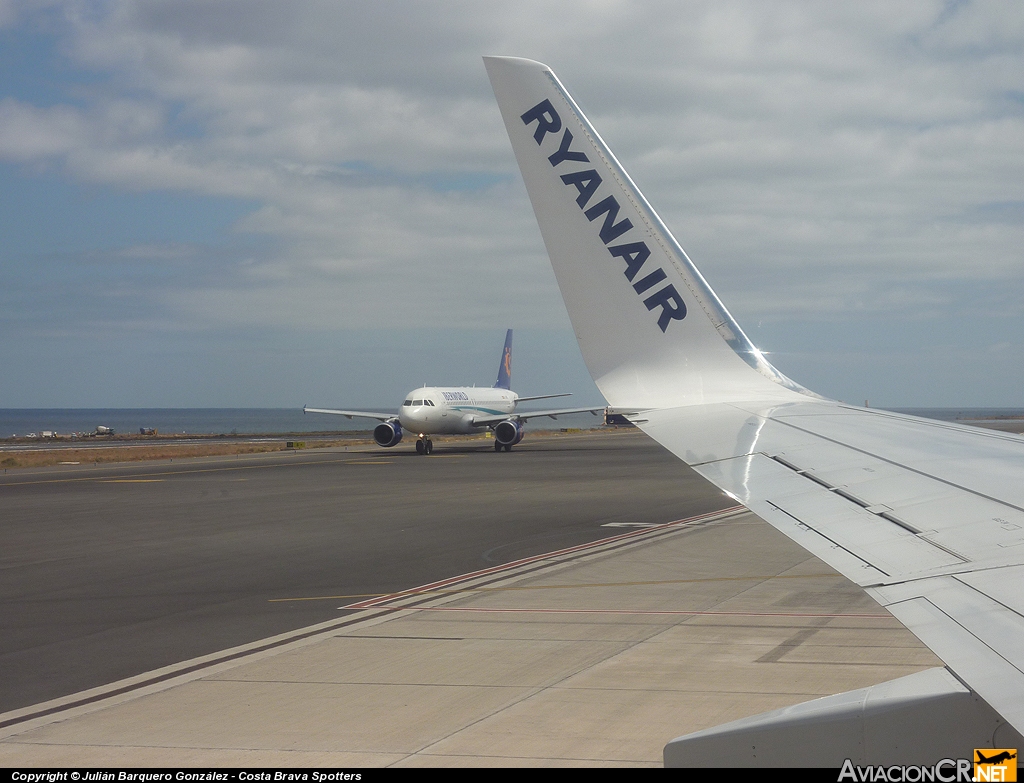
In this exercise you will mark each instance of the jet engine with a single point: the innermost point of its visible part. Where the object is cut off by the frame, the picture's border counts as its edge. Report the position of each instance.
(509, 432)
(387, 434)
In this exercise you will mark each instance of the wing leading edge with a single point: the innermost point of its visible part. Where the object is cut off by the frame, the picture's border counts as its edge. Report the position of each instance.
(352, 414)
(928, 517)
(486, 421)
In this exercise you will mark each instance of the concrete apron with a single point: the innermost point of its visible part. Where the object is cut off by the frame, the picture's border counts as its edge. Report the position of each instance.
(594, 655)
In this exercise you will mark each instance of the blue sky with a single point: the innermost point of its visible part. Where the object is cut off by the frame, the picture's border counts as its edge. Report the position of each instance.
(264, 204)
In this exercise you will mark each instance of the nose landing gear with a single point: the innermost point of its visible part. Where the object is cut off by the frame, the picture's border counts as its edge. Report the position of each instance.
(424, 446)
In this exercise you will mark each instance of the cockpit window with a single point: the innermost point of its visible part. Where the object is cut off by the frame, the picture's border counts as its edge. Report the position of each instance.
(429, 402)
(407, 403)
(416, 403)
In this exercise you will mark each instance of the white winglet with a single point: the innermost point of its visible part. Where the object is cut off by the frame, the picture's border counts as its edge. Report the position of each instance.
(651, 330)
(927, 516)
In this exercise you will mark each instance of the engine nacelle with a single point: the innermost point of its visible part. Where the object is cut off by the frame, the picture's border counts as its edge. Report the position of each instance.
(387, 434)
(509, 432)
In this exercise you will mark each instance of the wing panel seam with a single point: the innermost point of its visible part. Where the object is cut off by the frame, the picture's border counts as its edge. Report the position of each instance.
(962, 628)
(859, 450)
(981, 592)
(832, 541)
(886, 515)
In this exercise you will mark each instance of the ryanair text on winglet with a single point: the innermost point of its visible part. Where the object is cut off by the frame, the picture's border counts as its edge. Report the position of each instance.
(586, 182)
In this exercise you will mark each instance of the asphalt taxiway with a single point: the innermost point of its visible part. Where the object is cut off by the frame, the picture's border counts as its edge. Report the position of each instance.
(110, 571)
(583, 602)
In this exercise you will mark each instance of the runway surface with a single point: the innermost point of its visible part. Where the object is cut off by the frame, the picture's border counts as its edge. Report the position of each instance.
(596, 655)
(110, 571)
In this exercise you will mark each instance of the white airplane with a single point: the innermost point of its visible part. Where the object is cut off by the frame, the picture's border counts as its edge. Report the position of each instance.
(926, 516)
(459, 410)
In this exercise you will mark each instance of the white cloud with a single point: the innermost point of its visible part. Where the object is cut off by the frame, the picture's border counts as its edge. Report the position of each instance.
(819, 159)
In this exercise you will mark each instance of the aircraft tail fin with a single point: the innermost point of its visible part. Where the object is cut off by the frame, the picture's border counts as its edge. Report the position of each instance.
(505, 365)
(651, 330)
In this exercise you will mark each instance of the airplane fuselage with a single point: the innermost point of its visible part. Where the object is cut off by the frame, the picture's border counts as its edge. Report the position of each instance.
(459, 410)
(449, 410)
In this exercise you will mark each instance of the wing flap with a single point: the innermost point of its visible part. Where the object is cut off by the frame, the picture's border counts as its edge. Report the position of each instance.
(981, 640)
(876, 550)
(987, 462)
(892, 549)
(1003, 585)
(843, 451)
(947, 560)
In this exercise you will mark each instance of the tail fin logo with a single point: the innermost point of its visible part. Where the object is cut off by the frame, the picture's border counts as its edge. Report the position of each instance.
(586, 182)
(505, 365)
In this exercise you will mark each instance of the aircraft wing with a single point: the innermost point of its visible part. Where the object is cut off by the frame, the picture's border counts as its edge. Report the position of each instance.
(543, 397)
(927, 516)
(352, 414)
(485, 421)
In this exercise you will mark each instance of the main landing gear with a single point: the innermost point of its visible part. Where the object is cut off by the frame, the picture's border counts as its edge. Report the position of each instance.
(500, 446)
(424, 446)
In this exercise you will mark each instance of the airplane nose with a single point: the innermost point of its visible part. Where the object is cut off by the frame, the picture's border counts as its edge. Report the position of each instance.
(414, 416)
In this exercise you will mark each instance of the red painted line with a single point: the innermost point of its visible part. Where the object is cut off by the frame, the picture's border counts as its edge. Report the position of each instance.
(631, 611)
(535, 558)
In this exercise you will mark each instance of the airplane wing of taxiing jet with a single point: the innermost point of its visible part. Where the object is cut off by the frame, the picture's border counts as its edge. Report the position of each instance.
(484, 421)
(351, 414)
(542, 397)
(926, 516)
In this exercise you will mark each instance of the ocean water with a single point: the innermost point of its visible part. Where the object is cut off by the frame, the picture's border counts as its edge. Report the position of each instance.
(244, 421)
(956, 414)
(191, 421)
(206, 421)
